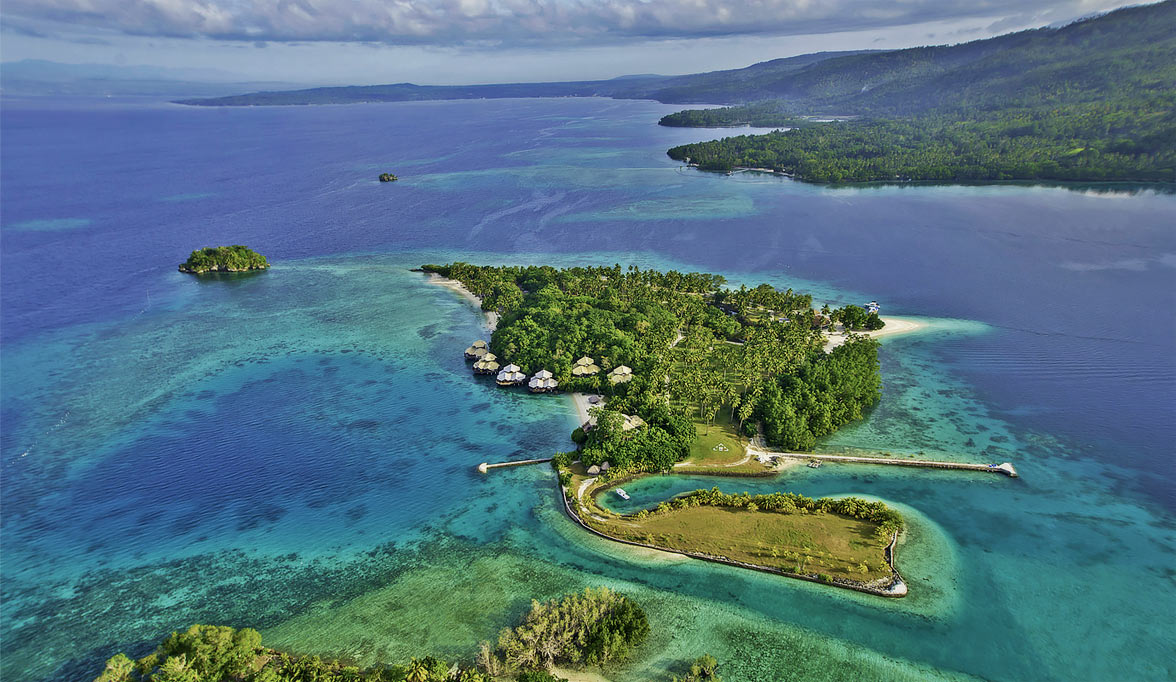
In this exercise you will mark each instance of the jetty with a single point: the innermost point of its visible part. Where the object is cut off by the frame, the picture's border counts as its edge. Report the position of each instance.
(484, 467)
(1005, 468)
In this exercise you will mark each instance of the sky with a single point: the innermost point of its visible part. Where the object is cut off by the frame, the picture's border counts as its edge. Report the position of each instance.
(326, 42)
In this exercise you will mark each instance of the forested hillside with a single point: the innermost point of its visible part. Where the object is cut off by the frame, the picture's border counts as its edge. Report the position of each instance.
(1092, 101)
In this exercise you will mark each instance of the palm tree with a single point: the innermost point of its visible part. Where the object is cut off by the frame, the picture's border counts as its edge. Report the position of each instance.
(417, 671)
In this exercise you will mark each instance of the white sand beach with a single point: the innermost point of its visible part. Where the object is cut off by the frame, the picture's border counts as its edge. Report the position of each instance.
(459, 288)
(894, 327)
(582, 405)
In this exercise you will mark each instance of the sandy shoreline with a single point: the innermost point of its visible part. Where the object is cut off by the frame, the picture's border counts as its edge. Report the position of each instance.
(895, 326)
(459, 288)
(581, 402)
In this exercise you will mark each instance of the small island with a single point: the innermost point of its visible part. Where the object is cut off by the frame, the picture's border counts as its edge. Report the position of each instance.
(234, 258)
(388, 177)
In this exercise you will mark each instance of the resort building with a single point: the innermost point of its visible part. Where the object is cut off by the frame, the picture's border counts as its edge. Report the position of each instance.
(620, 375)
(542, 382)
(585, 367)
(511, 375)
(487, 364)
(476, 350)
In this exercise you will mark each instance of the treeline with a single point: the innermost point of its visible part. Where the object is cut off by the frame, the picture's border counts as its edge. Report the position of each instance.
(599, 627)
(1125, 140)
(229, 258)
(889, 521)
(760, 115)
(211, 653)
(827, 391)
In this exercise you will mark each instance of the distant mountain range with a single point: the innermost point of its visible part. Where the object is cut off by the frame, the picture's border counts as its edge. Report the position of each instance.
(703, 88)
(1128, 50)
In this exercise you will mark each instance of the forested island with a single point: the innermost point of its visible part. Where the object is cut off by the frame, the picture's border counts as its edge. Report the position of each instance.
(235, 258)
(598, 628)
(755, 354)
(690, 371)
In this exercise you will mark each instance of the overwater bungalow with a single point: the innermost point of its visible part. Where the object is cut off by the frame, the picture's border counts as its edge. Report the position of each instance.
(621, 375)
(542, 382)
(487, 364)
(585, 367)
(511, 375)
(476, 350)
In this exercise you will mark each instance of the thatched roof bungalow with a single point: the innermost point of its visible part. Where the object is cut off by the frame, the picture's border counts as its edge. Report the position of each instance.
(476, 350)
(621, 375)
(585, 367)
(487, 364)
(542, 382)
(511, 375)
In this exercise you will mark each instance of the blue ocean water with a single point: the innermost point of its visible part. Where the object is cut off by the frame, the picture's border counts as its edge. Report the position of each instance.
(294, 450)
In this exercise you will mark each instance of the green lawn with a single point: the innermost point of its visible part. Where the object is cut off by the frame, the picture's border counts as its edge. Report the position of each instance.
(803, 543)
(704, 451)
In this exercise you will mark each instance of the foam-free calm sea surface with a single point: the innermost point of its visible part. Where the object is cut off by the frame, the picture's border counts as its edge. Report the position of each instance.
(294, 450)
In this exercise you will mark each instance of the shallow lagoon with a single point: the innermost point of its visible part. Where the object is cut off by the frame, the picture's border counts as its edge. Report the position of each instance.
(294, 450)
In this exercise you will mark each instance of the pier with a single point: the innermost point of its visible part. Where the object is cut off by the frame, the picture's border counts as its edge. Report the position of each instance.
(484, 467)
(1004, 468)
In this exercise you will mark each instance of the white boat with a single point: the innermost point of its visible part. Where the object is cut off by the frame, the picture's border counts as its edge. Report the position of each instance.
(621, 493)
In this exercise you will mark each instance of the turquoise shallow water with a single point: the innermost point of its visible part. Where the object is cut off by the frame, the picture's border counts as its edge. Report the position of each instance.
(295, 450)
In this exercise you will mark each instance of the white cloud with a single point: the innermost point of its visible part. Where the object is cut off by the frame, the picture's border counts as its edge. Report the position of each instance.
(518, 22)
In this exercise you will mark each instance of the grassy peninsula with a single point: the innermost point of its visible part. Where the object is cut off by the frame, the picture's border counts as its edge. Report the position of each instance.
(841, 540)
(235, 258)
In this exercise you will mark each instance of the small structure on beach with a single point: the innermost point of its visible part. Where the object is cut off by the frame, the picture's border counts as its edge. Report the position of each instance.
(511, 375)
(542, 382)
(585, 367)
(487, 364)
(873, 307)
(476, 350)
(621, 375)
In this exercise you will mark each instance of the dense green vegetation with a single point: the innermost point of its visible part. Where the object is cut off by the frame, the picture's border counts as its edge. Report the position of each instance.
(694, 347)
(826, 392)
(1092, 101)
(210, 653)
(224, 258)
(1124, 140)
(598, 627)
(388, 177)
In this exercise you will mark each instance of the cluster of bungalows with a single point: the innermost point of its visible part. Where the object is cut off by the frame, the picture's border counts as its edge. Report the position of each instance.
(543, 381)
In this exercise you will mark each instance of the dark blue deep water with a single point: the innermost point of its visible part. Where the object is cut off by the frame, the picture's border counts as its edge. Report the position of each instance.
(294, 450)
